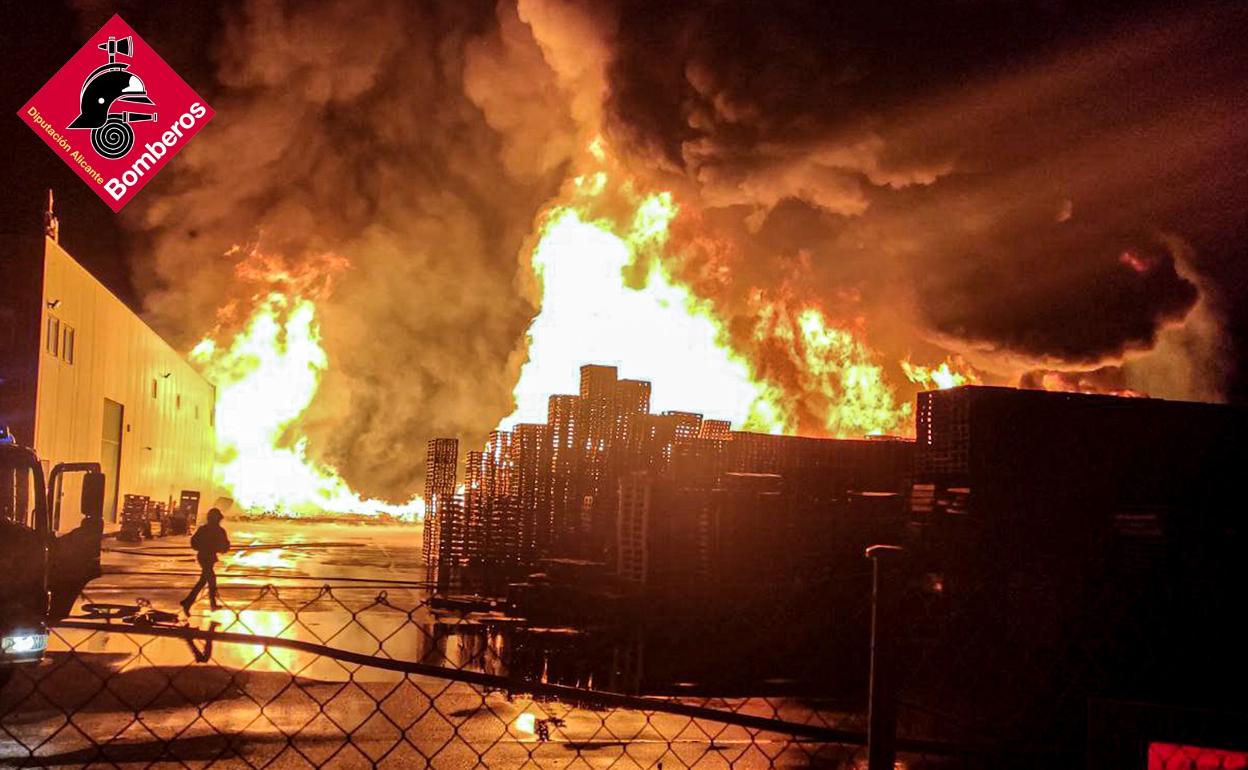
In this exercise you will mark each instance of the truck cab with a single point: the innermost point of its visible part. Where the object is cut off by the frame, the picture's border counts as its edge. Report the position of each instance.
(41, 574)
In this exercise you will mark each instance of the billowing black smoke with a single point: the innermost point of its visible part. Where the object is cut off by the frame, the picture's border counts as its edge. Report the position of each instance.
(1009, 181)
(1030, 185)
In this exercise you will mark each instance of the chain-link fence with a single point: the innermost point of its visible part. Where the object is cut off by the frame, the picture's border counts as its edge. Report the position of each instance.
(349, 676)
(337, 678)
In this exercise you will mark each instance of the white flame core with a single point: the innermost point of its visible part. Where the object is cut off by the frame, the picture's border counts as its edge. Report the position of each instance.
(660, 331)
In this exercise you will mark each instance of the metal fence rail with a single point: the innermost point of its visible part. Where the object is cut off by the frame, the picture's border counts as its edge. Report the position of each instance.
(344, 676)
(333, 678)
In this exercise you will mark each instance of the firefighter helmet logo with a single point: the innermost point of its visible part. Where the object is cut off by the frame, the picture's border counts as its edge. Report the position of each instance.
(98, 113)
(109, 85)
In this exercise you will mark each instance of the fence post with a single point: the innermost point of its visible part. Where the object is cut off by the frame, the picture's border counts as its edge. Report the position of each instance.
(882, 697)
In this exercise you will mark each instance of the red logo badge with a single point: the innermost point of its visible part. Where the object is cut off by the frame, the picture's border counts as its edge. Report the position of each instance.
(116, 113)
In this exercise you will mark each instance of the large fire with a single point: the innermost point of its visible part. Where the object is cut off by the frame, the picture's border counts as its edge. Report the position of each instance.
(594, 308)
(606, 295)
(941, 377)
(660, 331)
(266, 376)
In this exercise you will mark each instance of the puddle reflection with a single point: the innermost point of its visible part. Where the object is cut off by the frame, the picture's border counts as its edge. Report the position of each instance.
(260, 558)
(258, 657)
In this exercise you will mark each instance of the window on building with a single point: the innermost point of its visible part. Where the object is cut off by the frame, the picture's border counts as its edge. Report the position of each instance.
(197, 411)
(153, 387)
(67, 346)
(53, 342)
(177, 401)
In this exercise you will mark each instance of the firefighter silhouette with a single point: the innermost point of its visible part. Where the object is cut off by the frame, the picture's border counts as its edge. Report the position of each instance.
(109, 84)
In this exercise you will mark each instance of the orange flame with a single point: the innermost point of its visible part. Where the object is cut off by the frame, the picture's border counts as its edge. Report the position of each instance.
(1106, 381)
(607, 296)
(951, 373)
(267, 374)
(826, 380)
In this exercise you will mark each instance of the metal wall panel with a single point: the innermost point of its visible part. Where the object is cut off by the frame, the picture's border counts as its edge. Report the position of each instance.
(167, 439)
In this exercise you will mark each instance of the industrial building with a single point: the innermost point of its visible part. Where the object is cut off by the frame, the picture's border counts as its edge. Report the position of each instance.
(84, 379)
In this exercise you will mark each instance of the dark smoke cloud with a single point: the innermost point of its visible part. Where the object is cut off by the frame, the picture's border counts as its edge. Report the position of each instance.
(997, 179)
(1033, 185)
(418, 142)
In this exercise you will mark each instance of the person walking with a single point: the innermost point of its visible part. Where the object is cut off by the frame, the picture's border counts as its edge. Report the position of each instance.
(208, 541)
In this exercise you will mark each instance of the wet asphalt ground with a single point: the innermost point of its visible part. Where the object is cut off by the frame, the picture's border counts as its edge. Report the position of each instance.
(166, 701)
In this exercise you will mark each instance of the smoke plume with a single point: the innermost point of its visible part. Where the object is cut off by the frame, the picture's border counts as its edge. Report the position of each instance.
(418, 144)
(1011, 183)
(993, 180)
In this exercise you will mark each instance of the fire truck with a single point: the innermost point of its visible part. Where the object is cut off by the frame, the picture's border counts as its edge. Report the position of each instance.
(41, 573)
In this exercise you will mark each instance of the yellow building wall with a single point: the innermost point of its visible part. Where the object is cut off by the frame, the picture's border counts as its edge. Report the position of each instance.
(167, 439)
